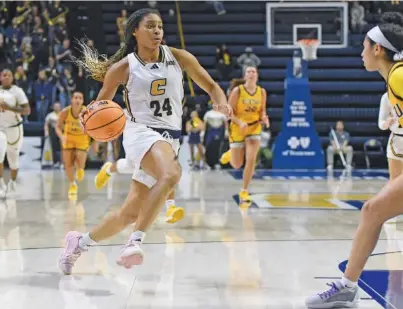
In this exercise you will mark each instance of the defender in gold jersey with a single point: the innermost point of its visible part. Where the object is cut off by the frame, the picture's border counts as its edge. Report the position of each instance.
(75, 142)
(383, 52)
(249, 104)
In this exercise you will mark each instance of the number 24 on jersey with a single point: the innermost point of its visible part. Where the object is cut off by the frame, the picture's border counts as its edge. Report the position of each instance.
(157, 89)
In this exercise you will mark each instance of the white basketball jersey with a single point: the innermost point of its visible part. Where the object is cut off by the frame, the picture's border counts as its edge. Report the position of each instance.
(12, 97)
(155, 91)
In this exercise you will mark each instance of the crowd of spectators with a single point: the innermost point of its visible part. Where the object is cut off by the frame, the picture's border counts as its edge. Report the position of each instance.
(35, 45)
(364, 14)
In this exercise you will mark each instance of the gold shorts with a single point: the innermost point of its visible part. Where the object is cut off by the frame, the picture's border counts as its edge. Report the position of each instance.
(237, 136)
(78, 144)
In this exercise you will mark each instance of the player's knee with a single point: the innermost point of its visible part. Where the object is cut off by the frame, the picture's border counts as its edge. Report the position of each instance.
(172, 175)
(372, 211)
(68, 165)
(237, 164)
(13, 158)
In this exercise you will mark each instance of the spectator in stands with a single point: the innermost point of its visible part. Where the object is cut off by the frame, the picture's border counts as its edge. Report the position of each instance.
(56, 11)
(51, 69)
(43, 91)
(21, 80)
(121, 22)
(343, 138)
(14, 33)
(23, 11)
(35, 12)
(218, 7)
(223, 62)
(152, 4)
(4, 54)
(63, 56)
(59, 34)
(37, 24)
(50, 131)
(357, 13)
(26, 58)
(40, 46)
(4, 15)
(248, 59)
(68, 81)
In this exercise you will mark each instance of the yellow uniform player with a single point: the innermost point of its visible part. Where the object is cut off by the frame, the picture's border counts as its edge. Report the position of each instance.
(75, 142)
(249, 104)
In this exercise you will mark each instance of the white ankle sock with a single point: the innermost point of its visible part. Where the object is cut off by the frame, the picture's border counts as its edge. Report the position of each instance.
(348, 283)
(85, 241)
(138, 236)
(169, 203)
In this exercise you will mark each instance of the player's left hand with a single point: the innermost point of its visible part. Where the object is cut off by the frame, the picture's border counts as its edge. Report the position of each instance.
(225, 109)
(265, 121)
(4, 106)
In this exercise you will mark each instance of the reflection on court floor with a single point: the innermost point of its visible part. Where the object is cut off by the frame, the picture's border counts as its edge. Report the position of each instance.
(269, 255)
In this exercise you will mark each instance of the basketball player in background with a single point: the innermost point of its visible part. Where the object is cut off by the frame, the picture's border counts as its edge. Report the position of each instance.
(194, 127)
(394, 152)
(382, 52)
(152, 74)
(249, 104)
(75, 142)
(13, 104)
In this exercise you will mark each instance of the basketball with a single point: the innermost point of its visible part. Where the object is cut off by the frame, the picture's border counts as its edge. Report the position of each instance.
(104, 120)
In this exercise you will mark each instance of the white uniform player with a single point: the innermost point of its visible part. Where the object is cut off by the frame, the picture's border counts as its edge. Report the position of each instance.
(11, 132)
(151, 138)
(155, 93)
(153, 96)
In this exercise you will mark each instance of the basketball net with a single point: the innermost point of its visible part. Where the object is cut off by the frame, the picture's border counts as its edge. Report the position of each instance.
(309, 49)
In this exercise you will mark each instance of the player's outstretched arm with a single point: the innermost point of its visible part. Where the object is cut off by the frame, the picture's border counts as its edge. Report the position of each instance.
(201, 77)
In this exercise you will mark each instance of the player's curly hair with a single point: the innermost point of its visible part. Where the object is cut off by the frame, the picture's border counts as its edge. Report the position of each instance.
(97, 64)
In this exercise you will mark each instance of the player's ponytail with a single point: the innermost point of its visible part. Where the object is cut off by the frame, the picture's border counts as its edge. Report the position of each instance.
(389, 34)
(97, 64)
(236, 82)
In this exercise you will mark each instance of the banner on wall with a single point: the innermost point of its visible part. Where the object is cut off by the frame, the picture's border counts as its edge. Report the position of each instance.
(298, 145)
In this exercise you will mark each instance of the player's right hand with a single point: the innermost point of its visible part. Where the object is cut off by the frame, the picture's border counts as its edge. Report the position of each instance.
(243, 125)
(390, 121)
(63, 140)
(81, 118)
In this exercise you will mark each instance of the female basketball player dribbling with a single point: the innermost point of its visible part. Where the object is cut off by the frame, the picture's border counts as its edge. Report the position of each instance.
(383, 52)
(75, 142)
(152, 75)
(249, 104)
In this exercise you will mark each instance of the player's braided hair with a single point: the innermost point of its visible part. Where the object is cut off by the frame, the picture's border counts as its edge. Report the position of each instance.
(97, 65)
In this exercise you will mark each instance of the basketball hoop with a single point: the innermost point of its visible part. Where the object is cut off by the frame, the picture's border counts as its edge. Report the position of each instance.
(309, 49)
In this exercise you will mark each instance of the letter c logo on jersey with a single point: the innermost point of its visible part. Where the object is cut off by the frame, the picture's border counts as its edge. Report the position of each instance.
(158, 87)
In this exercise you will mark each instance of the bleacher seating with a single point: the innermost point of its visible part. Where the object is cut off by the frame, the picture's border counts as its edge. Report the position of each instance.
(341, 88)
